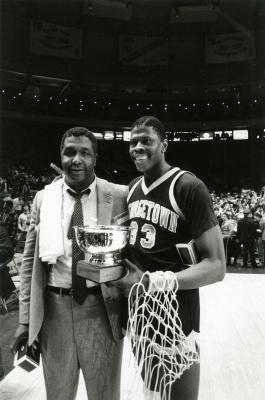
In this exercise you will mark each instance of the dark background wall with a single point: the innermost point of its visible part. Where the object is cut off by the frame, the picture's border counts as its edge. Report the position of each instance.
(199, 95)
(222, 164)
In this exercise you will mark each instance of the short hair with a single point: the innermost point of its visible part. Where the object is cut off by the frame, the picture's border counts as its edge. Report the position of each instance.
(80, 131)
(153, 122)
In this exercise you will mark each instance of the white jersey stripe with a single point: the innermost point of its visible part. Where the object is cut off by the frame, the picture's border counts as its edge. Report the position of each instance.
(133, 188)
(160, 180)
(157, 183)
(172, 199)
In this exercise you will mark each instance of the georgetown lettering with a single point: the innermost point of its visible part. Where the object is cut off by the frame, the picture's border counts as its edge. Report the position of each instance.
(155, 213)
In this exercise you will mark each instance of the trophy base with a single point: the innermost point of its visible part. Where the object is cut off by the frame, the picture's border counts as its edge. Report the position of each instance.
(98, 273)
(105, 259)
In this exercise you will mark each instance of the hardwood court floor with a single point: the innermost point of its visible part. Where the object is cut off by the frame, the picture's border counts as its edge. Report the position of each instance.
(232, 344)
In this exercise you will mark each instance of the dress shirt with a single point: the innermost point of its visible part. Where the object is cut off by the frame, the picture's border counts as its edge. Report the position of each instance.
(61, 272)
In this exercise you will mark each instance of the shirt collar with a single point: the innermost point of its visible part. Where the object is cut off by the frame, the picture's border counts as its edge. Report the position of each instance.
(92, 186)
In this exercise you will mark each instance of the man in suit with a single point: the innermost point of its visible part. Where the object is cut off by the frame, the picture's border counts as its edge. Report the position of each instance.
(77, 322)
(247, 234)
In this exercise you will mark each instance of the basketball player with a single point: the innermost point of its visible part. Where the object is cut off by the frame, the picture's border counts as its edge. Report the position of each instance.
(169, 206)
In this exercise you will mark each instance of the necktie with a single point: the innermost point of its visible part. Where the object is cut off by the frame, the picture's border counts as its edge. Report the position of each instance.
(78, 283)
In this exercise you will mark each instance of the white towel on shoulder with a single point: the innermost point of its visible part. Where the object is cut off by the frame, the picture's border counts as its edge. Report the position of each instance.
(51, 245)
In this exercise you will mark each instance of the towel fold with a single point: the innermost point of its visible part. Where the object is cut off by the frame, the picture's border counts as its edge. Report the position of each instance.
(51, 223)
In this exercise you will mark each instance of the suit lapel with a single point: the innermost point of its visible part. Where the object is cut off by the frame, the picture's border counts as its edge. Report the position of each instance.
(104, 203)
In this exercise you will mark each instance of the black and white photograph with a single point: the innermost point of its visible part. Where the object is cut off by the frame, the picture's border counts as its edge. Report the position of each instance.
(132, 200)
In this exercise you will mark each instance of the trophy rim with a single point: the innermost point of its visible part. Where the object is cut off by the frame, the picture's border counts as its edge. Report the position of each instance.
(103, 227)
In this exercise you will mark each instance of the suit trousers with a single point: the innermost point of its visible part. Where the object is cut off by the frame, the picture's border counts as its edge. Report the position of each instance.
(77, 336)
(249, 248)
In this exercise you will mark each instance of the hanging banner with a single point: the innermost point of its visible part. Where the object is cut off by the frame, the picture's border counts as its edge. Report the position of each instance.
(55, 40)
(143, 51)
(229, 48)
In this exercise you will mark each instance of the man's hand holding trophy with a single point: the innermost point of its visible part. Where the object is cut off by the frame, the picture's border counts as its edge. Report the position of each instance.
(102, 245)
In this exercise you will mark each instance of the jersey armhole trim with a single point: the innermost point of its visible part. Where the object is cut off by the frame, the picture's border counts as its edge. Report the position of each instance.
(133, 189)
(172, 199)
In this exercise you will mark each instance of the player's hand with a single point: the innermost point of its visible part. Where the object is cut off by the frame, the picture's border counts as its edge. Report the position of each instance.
(133, 275)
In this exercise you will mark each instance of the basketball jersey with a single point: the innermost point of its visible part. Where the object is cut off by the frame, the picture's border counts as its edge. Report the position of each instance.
(157, 223)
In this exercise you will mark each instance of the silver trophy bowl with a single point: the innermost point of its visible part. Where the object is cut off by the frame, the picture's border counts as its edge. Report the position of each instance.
(103, 243)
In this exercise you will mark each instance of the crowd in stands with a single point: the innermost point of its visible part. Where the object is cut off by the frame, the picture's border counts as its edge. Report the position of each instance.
(241, 214)
(17, 190)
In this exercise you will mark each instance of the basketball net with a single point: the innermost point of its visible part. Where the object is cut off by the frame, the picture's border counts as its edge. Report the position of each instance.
(161, 350)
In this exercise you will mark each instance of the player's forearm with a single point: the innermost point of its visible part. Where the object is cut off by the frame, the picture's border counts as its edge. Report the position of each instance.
(204, 273)
(212, 266)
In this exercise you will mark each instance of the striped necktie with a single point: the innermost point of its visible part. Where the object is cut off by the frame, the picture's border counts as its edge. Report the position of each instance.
(78, 283)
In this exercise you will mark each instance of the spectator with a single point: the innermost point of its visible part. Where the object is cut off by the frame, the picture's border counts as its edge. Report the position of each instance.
(6, 252)
(218, 215)
(23, 222)
(9, 218)
(246, 233)
(3, 185)
(262, 227)
(26, 190)
(18, 203)
(257, 219)
(228, 229)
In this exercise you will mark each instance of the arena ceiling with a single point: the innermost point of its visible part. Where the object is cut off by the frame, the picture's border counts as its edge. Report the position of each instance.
(174, 32)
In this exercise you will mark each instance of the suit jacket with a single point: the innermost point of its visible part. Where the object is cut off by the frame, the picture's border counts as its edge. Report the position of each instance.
(246, 230)
(34, 273)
